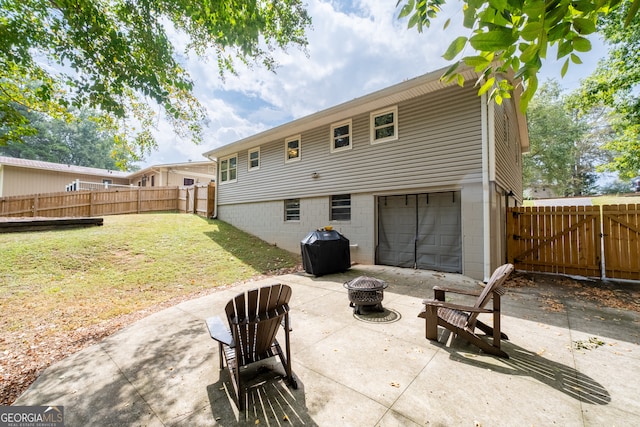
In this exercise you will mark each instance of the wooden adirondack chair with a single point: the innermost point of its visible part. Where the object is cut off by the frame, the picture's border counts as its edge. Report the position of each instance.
(463, 320)
(253, 320)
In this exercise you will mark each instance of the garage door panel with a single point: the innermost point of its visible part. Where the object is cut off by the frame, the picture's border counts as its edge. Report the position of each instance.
(421, 230)
(396, 231)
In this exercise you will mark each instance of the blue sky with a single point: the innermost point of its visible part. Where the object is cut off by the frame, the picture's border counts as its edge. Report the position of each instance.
(355, 48)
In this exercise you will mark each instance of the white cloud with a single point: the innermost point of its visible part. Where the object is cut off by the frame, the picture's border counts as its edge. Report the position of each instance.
(355, 48)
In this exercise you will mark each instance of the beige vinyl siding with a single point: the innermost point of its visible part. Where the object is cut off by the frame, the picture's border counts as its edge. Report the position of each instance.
(508, 155)
(439, 145)
(19, 181)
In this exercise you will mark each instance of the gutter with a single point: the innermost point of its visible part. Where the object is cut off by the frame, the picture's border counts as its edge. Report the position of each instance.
(214, 215)
(487, 120)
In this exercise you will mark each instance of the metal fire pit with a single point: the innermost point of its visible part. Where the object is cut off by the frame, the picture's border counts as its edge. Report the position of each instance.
(365, 291)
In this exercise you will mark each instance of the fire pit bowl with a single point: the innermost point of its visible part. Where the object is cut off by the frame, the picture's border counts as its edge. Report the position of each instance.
(365, 291)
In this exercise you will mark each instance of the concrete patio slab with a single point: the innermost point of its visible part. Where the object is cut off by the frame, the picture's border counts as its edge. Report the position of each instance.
(572, 363)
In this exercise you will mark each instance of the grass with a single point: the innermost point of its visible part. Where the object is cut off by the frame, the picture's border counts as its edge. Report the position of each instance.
(604, 200)
(64, 280)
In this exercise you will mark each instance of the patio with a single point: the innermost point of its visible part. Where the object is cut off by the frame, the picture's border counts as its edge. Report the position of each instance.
(572, 365)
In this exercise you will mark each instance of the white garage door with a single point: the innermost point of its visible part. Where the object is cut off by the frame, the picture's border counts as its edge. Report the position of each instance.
(420, 231)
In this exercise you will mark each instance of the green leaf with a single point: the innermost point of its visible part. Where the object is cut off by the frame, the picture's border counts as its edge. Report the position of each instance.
(581, 44)
(449, 74)
(469, 17)
(460, 80)
(446, 24)
(499, 5)
(559, 32)
(455, 48)
(633, 10)
(584, 26)
(406, 9)
(486, 86)
(576, 59)
(564, 49)
(565, 68)
(530, 53)
(498, 38)
(531, 31)
(476, 61)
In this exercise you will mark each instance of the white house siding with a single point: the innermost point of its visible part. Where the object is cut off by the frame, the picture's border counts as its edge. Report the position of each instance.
(505, 175)
(472, 231)
(438, 145)
(507, 172)
(266, 221)
(439, 149)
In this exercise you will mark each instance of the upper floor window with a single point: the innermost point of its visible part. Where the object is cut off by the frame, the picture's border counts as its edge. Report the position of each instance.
(292, 149)
(341, 136)
(384, 125)
(340, 207)
(229, 169)
(254, 158)
(292, 210)
(187, 181)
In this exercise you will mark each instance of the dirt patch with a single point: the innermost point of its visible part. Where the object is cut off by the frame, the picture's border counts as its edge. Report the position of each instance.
(620, 295)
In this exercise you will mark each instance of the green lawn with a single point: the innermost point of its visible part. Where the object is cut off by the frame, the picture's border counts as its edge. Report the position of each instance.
(73, 278)
(604, 200)
(62, 290)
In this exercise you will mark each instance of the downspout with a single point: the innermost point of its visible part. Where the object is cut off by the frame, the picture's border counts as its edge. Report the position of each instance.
(487, 121)
(214, 215)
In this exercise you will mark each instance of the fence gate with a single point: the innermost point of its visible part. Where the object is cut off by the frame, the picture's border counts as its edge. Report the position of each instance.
(621, 234)
(555, 239)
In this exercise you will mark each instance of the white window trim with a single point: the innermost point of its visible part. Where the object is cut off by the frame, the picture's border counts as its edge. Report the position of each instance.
(331, 207)
(332, 141)
(228, 181)
(299, 211)
(249, 152)
(372, 134)
(286, 149)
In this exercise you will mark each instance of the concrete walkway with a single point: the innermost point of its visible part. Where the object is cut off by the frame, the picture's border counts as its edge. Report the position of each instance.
(571, 364)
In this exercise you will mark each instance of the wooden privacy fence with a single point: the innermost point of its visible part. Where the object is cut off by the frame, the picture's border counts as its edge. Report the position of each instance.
(591, 241)
(108, 202)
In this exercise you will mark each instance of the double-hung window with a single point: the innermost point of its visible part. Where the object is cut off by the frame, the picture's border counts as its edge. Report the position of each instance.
(292, 210)
(384, 125)
(229, 169)
(292, 149)
(340, 207)
(254, 159)
(341, 136)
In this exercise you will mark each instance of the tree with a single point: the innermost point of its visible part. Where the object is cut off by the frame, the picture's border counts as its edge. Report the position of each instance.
(79, 141)
(116, 56)
(614, 84)
(517, 34)
(564, 147)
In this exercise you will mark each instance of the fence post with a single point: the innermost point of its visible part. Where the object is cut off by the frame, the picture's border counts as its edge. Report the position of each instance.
(35, 205)
(139, 201)
(195, 199)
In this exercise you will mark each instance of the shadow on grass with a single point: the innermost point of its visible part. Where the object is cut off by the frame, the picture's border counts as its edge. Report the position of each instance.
(258, 254)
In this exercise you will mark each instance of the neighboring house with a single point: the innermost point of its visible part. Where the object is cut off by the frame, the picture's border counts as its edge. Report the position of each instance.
(540, 191)
(20, 177)
(175, 174)
(415, 175)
